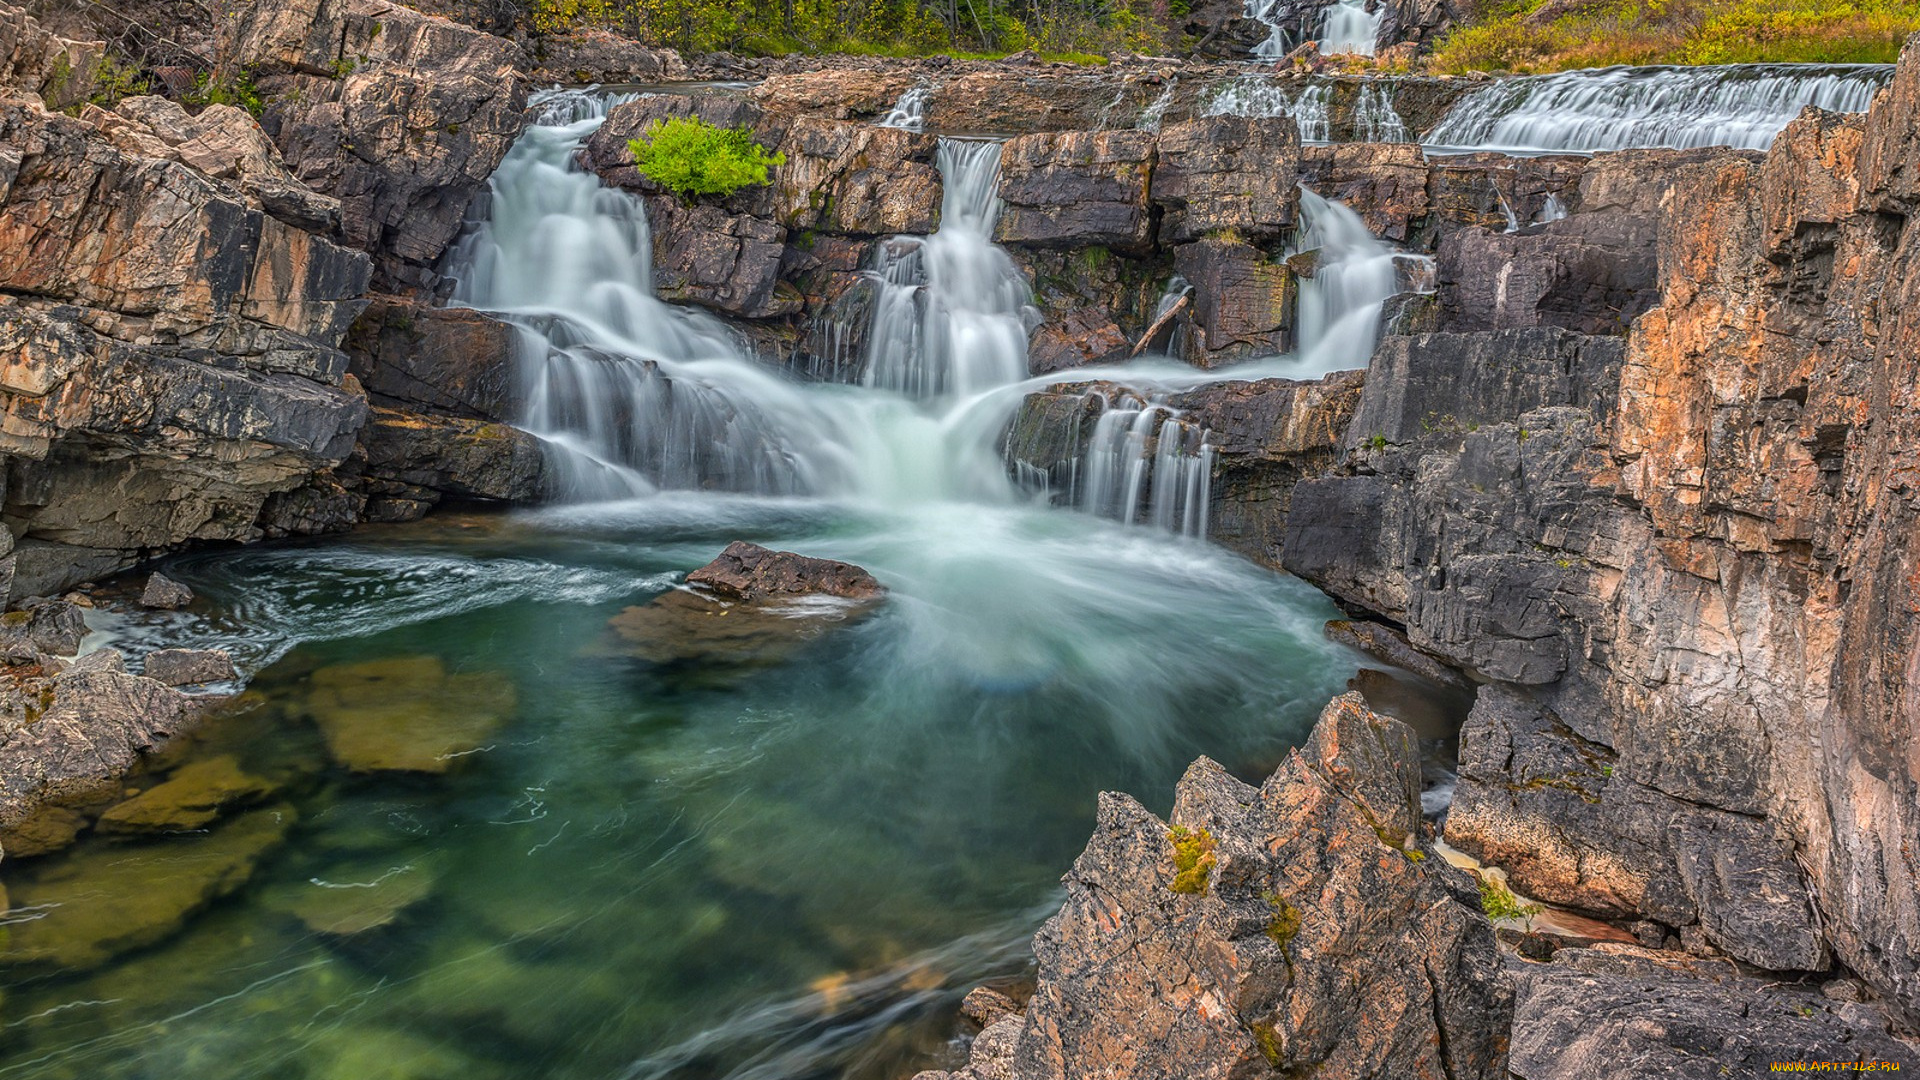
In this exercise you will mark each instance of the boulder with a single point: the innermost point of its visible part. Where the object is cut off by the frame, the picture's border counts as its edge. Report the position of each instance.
(45, 627)
(1243, 301)
(749, 606)
(164, 593)
(451, 457)
(1301, 927)
(833, 93)
(409, 354)
(78, 729)
(186, 667)
(600, 56)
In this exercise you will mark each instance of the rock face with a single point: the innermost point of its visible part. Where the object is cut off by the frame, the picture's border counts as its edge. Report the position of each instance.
(400, 116)
(1299, 928)
(1680, 552)
(749, 573)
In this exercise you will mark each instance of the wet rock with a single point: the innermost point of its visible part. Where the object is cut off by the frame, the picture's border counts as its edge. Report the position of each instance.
(165, 593)
(354, 898)
(451, 360)
(1390, 646)
(41, 627)
(855, 179)
(1298, 927)
(1077, 189)
(449, 456)
(79, 728)
(1621, 1011)
(724, 261)
(1076, 338)
(749, 606)
(186, 667)
(1568, 273)
(407, 714)
(1226, 173)
(195, 795)
(749, 573)
(134, 896)
(986, 1006)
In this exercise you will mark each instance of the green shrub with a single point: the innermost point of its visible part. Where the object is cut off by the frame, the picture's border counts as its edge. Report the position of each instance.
(1501, 905)
(236, 89)
(691, 157)
(1193, 859)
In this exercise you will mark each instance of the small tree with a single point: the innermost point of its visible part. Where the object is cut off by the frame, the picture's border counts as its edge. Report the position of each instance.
(690, 157)
(1501, 905)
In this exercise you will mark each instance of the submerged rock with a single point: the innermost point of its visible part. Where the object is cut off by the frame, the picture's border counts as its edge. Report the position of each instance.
(407, 714)
(749, 605)
(133, 896)
(1299, 928)
(353, 899)
(46, 830)
(194, 796)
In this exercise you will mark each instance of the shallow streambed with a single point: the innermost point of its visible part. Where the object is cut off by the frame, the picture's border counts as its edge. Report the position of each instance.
(594, 867)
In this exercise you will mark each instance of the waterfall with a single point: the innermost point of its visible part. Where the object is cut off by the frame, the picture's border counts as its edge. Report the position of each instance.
(952, 314)
(910, 112)
(1259, 97)
(1375, 120)
(1347, 27)
(1156, 111)
(1277, 44)
(1552, 210)
(1338, 317)
(1143, 464)
(1740, 105)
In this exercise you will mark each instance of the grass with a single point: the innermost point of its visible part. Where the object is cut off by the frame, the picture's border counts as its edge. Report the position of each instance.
(1553, 35)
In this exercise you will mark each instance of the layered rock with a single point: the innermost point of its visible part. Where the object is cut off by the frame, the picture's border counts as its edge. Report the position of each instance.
(1682, 557)
(1301, 927)
(402, 117)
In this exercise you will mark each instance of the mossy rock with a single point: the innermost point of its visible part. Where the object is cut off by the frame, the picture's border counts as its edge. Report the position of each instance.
(354, 898)
(107, 898)
(46, 830)
(193, 797)
(407, 714)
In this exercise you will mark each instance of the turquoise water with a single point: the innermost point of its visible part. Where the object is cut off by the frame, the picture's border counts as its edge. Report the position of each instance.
(703, 870)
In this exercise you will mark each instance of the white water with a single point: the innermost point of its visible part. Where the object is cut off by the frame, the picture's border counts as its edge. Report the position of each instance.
(910, 112)
(1375, 120)
(1277, 44)
(1339, 307)
(1348, 27)
(1156, 110)
(1257, 96)
(1621, 107)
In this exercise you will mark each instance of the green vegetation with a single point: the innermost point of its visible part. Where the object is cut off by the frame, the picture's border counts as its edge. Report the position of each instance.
(114, 79)
(1080, 31)
(1550, 35)
(1193, 859)
(1285, 924)
(691, 157)
(1501, 905)
(1267, 1038)
(236, 89)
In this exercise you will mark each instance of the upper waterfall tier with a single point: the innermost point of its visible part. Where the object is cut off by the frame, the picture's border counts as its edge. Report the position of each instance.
(1740, 105)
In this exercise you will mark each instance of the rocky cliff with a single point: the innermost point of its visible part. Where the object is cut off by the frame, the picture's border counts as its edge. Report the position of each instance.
(1642, 478)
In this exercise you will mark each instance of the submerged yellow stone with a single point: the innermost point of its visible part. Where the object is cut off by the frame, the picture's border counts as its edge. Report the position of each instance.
(407, 714)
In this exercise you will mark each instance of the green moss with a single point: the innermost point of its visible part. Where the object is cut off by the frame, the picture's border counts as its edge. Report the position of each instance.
(1284, 926)
(1193, 859)
(691, 157)
(1378, 442)
(17, 618)
(1267, 1038)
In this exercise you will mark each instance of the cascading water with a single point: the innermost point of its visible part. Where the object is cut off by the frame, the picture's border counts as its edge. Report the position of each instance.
(952, 314)
(1347, 27)
(910, 112)
(1375, 120)
(1156, 110)
(1259, 96)
(1742, 105)
(1339, 306)
(1277, 44)
(1142, 461)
